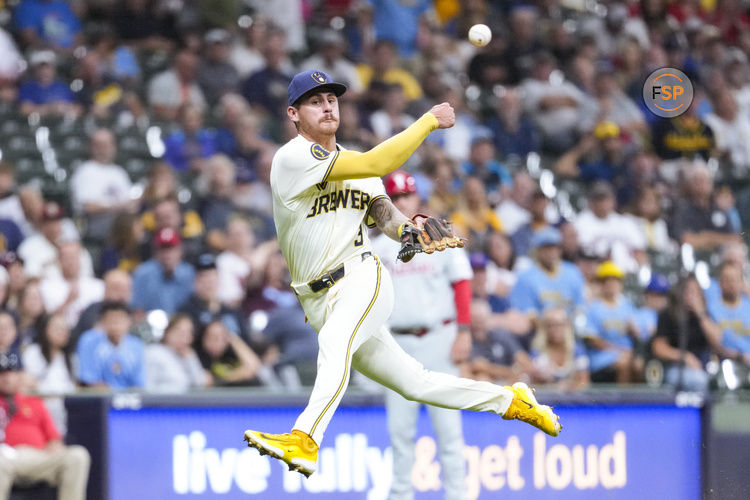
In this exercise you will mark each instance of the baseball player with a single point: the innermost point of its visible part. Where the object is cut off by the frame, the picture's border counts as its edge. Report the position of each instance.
(323, 199)
(431, 321)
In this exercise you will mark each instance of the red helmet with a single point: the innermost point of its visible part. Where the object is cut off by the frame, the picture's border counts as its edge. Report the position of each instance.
(400, 182)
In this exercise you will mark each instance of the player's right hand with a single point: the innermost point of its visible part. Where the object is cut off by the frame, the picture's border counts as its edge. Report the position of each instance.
(445, 115)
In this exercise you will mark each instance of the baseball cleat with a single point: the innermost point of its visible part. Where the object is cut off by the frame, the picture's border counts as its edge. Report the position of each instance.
(297, 450)
(525, 408)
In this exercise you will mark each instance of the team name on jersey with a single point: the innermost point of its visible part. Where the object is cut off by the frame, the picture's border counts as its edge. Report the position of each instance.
(343, 198)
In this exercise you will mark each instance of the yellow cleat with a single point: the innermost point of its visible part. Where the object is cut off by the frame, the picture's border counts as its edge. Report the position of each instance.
(297, 450)
(525, 408)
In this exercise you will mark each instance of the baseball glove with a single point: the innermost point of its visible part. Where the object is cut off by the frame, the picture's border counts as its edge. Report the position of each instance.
(427, 235)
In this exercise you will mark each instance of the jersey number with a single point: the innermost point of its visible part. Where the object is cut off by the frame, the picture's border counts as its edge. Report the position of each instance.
(360, 239)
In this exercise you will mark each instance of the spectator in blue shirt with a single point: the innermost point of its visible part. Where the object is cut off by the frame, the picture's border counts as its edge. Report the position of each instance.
(188, 147)
(164, 282)
(610, 330)
(550, 281)
(109, 355)
(44, 93)
(399, 22)
(731, 311)
(47, 22)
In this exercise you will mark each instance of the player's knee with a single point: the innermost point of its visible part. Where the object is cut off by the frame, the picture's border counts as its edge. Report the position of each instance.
(78, 455)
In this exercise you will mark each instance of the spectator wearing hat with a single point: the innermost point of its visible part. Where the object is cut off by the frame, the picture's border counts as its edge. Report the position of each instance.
(176, 87)
(329, 58)
(604, 231)
(697, 219)
(109, 355)
(165, 281)
(39, 251)
(654, 301)
(48, 23)
(610, 332)
(548, 281)
(731, 311)
(204, 305)
(44, 93)
(72, 291)
(216, 75)
(598, 156)
(37, 452)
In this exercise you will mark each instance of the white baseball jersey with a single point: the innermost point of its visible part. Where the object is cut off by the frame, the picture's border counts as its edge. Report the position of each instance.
(319, 223)
(423, 286)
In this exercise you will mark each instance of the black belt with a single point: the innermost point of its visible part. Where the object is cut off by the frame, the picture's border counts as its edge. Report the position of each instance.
(330, 278)
(417, 331)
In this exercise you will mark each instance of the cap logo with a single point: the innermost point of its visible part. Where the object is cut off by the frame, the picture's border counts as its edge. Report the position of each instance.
(319, 152)
(318, 77)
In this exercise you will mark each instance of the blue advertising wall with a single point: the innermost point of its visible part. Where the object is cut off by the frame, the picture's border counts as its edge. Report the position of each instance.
(604, 452)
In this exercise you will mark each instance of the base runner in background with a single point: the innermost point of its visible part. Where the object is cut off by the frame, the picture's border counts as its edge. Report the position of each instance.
(431, 321)
(323, 198)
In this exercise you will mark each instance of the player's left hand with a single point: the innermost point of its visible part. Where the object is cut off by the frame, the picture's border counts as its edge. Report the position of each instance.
(426, 234)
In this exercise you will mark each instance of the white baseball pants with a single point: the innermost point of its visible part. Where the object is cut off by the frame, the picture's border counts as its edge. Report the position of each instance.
(349, 319)
(433, 351)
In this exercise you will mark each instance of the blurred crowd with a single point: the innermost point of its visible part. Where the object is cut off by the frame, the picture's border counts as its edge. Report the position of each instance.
(136, 233)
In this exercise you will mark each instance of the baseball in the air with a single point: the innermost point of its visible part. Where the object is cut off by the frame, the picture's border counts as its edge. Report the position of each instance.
(480, 35)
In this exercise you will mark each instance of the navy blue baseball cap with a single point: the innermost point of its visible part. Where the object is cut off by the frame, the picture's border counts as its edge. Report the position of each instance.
(304, 82)
(658, 284)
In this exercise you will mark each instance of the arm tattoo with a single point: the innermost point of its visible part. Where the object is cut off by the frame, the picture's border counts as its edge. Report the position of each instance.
(387, 217)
